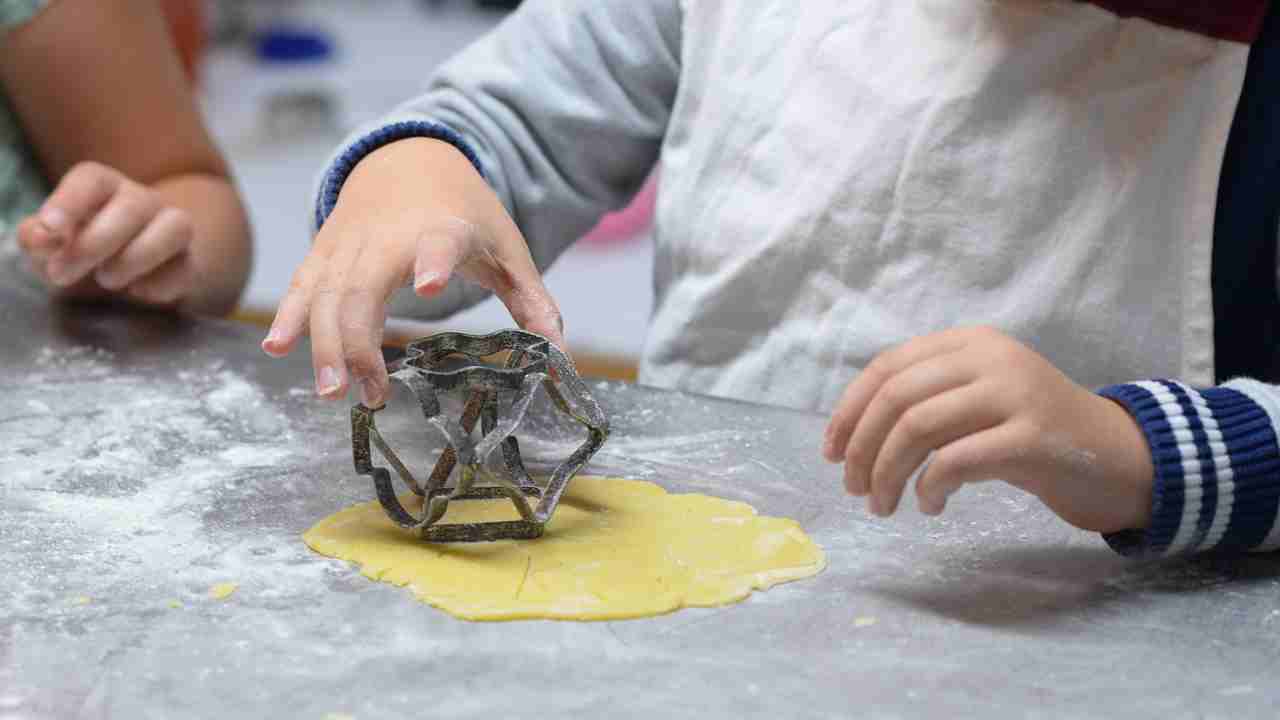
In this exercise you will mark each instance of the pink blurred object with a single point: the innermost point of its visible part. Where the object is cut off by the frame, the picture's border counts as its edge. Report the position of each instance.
(629, 223)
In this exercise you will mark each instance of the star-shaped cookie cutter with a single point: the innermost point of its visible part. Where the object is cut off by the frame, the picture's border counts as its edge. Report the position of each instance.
(532, 362)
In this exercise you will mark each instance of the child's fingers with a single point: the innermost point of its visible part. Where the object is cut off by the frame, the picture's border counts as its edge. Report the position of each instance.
(363, 319)
(291, 315)
(533, 308)
(932, 499)
(333, 289)
(294, 309)
(129, 211)
(503, 265)
(518, 284)
(36, 240)
(83, 190)
(375, 275)
(167, 284)
(327, 359)
(991, 454)
(169, 234)
(440, 248)
(895, 397)
(857, 396)
(936, 422)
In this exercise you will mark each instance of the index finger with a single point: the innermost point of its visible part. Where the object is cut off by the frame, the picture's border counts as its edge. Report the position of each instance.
(81, 193)
(36, 240)
(857, 396)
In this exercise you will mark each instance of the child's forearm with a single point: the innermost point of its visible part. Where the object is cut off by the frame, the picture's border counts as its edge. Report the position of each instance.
(220, 247)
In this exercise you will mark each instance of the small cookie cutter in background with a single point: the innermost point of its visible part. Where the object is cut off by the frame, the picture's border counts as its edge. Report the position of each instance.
(532, 362)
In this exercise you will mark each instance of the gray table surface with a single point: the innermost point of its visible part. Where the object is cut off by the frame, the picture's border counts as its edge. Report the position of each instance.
(146, 458)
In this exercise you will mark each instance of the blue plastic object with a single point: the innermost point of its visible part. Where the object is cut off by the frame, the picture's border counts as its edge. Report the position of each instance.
(293, 45)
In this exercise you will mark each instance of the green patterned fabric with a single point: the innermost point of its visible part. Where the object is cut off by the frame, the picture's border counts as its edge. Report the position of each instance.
(23, 186)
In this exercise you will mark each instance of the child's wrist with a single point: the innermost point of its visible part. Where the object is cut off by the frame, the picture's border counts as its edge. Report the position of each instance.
(1212, 453)
(1134, 470)
(412, 162)
(415, 155)
(396, 145)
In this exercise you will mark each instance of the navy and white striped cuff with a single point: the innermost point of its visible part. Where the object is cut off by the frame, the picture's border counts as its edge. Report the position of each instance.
(340, 170)
(1217, 469)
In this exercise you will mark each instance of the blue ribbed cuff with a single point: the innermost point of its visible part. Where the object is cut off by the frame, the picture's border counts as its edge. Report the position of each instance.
(1217, 469)
(341, 168)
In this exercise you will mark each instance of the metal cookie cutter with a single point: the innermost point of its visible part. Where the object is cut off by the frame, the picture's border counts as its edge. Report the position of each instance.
(532, 362)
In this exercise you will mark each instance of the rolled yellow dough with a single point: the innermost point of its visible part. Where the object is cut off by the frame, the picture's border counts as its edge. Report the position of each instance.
(614, 549)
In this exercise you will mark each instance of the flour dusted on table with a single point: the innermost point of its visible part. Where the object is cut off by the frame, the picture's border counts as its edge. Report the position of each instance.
(114, 472)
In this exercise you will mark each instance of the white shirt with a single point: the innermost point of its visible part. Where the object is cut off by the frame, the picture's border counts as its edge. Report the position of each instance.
(837, 177)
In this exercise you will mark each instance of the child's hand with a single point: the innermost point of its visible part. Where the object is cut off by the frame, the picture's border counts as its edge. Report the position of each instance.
(413, 211)
(100, 232)
(988, 407)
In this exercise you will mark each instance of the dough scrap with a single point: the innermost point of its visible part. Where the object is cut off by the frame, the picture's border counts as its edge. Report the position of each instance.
(615, 549)
(222, 591)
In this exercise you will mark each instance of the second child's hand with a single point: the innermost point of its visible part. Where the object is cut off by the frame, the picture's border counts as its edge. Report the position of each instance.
(102, 233)
(989, 408)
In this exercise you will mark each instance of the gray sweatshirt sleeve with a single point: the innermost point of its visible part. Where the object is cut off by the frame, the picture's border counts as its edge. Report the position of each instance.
(562, 108)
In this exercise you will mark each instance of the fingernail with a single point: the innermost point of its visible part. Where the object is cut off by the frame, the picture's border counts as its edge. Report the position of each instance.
(55, 220)
(369, 393)
(272, 338)
(328, 381)
(42, 238)
(425, 281)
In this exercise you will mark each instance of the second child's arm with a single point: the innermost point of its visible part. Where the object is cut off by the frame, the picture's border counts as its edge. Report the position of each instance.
(144, 206)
